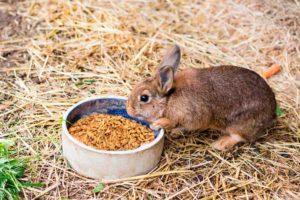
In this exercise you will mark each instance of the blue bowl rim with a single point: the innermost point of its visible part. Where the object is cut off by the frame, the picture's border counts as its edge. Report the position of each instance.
(82, 145)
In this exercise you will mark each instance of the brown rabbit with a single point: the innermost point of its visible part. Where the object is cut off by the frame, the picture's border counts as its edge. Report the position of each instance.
(233, 100)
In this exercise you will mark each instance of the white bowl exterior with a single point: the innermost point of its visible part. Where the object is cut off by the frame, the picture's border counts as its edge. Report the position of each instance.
(109, 165)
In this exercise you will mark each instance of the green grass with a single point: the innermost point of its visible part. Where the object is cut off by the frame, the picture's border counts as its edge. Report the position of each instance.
(99, 188)
(278, 111)
(11, 172)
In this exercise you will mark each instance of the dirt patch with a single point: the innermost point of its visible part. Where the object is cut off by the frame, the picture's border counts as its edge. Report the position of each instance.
(9, 24)
(12, 27)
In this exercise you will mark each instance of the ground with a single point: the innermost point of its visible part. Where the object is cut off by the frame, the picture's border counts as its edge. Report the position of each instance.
(55, 53)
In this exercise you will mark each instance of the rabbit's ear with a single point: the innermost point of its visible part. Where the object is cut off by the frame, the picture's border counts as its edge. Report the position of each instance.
(165, 77)
(171, 58)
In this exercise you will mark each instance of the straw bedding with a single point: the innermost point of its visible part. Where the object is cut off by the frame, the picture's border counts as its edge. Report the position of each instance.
(55, 53)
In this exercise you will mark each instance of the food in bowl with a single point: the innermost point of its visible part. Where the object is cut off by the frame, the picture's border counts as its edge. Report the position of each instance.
(110, 132)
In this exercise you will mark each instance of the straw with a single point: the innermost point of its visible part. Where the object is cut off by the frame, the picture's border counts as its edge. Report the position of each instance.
(56, 53)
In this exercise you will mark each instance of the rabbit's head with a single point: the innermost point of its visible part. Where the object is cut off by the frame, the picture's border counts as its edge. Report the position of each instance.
(148, 99)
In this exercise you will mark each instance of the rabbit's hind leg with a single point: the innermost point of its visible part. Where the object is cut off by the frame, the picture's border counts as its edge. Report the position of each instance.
(227, 141)
(241, 131)
(251, 125)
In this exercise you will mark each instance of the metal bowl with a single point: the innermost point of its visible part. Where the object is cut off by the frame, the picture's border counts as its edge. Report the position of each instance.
(102, 164)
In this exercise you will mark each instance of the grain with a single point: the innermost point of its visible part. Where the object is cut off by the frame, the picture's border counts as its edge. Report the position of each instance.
(110, 132)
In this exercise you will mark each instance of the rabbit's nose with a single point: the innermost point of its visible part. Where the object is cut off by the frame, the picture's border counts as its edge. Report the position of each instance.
(130, 110)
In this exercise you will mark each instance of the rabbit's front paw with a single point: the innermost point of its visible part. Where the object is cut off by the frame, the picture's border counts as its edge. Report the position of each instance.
(161, 123)
(177, 132)
(155, 126)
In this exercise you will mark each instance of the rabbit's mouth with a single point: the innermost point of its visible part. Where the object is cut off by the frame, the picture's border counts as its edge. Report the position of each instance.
(149, 119)
(144, 118)
(134, 114)
(140, 117)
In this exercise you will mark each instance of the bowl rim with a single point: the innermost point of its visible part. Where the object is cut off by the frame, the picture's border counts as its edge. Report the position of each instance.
(89, 148)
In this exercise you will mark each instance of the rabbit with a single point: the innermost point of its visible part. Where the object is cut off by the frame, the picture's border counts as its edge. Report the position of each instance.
(233, 100)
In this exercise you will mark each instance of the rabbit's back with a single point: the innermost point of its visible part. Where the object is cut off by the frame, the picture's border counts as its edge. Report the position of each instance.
(238, 91)
(221, 94)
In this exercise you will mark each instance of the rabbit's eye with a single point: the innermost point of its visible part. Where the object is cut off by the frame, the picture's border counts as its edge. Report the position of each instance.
(144, 98)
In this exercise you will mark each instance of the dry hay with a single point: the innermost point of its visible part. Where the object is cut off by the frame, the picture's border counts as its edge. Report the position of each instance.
(55, 53)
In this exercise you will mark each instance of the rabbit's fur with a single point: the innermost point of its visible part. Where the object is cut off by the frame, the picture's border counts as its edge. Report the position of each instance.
(234, 100)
